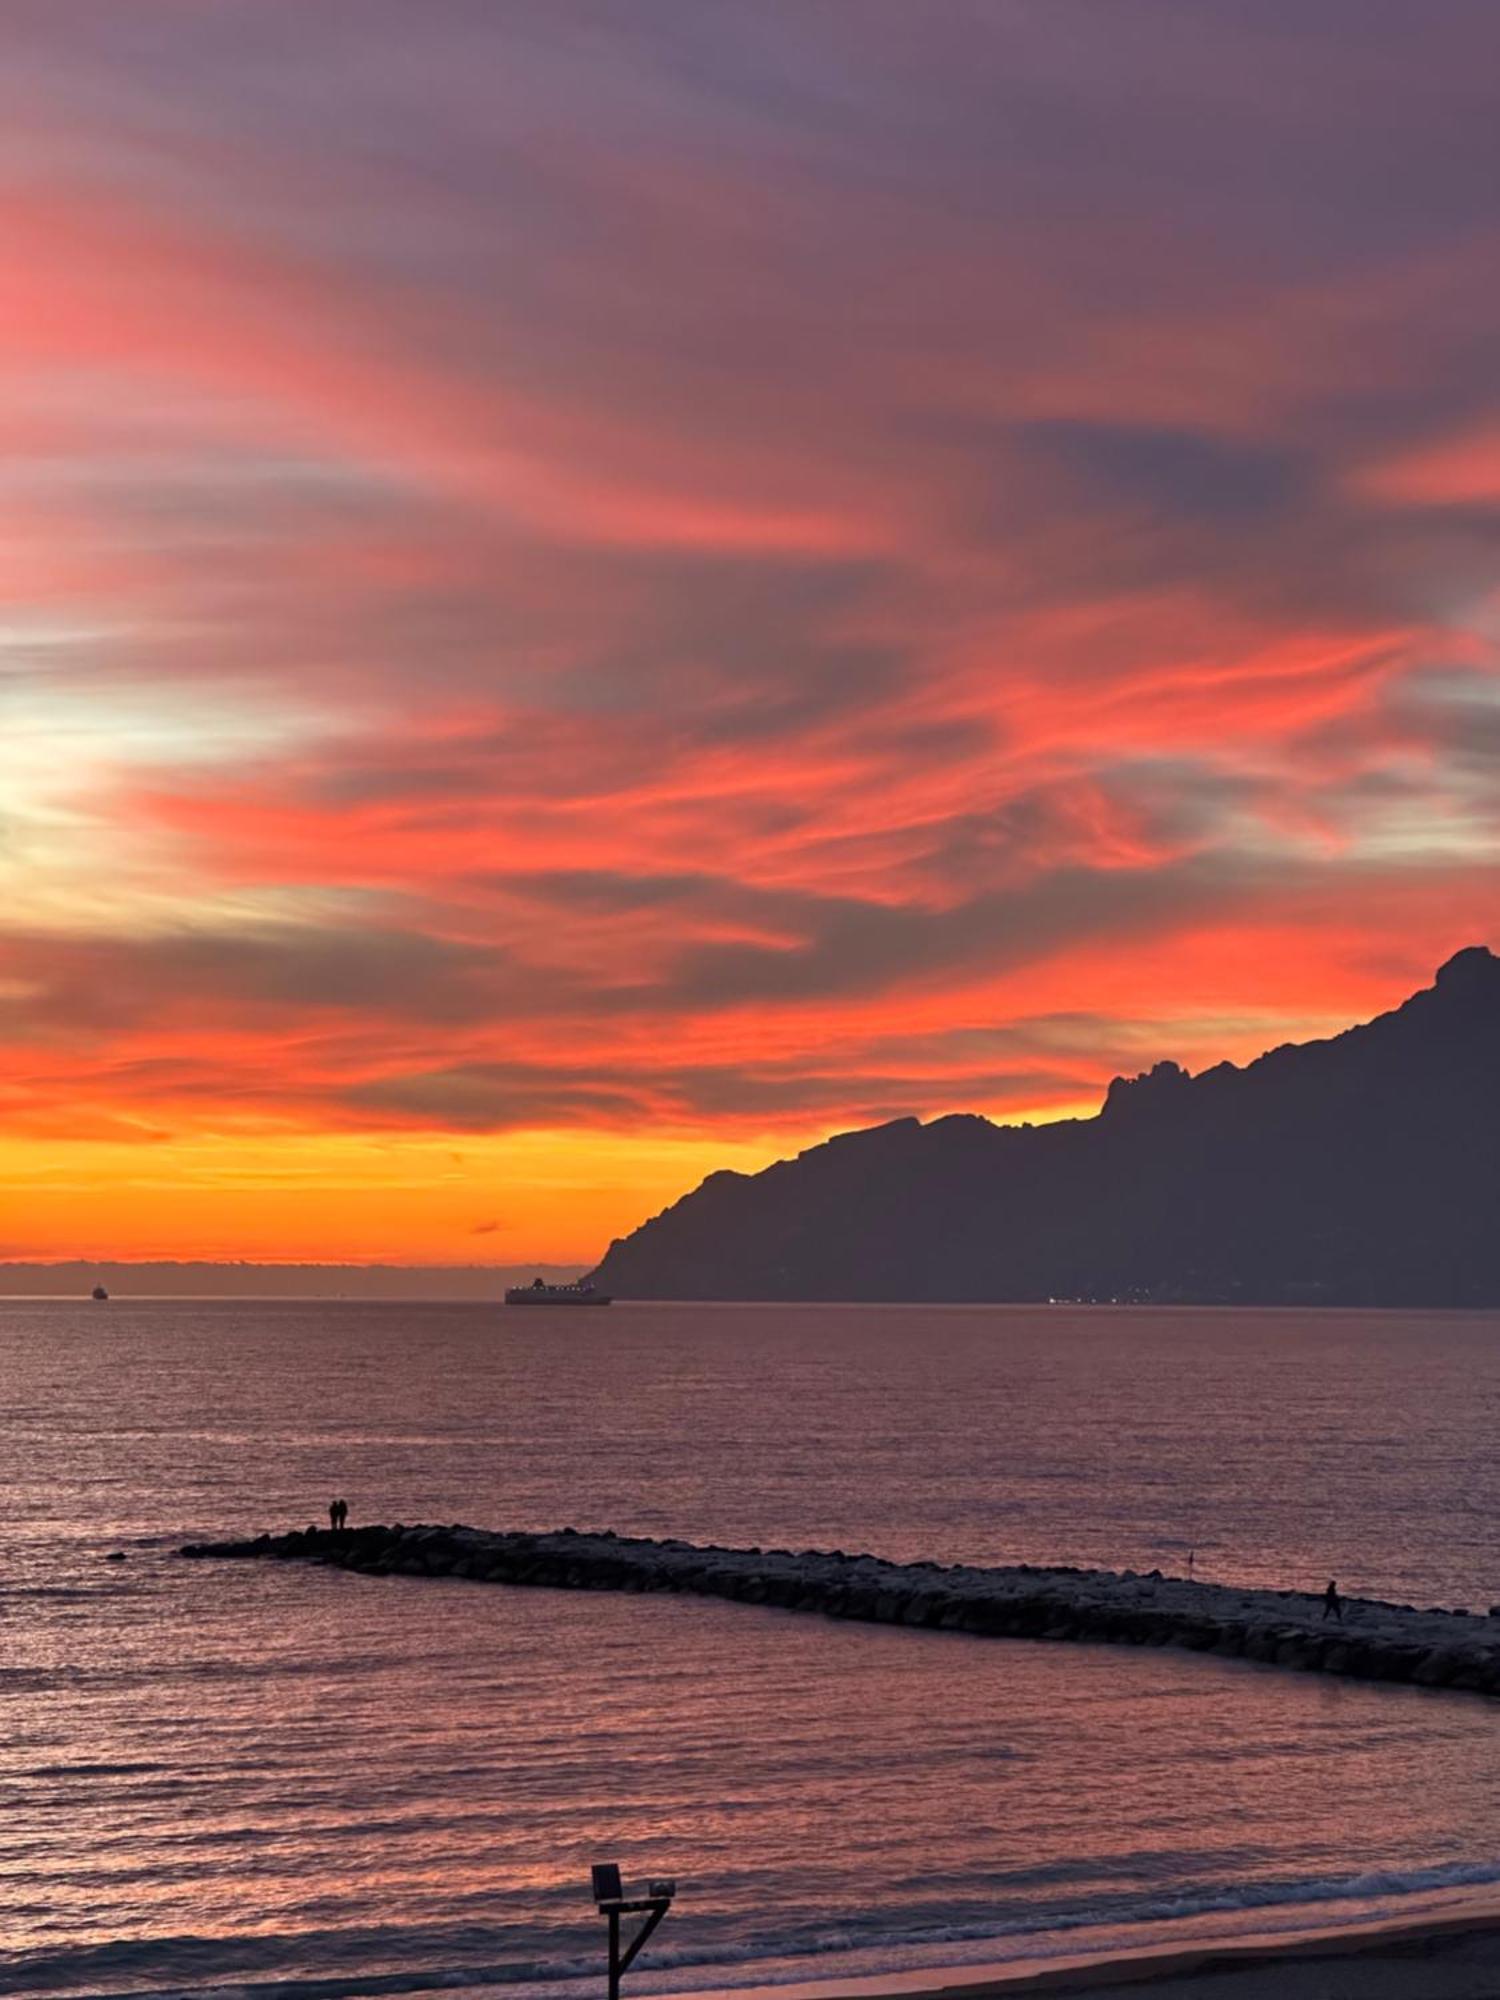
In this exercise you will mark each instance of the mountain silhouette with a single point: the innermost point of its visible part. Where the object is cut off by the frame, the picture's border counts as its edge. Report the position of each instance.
(1363, 1170)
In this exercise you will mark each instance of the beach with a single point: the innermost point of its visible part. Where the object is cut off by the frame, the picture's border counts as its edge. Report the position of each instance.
(1458, 1959)
(1436, 1958)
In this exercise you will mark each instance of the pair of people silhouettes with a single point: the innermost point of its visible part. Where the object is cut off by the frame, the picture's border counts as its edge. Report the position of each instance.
(338, 1514)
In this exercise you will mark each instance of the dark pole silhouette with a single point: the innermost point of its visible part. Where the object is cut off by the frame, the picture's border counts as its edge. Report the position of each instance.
(609, 1894)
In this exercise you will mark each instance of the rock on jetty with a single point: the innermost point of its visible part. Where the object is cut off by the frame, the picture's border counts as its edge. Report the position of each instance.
(1285, 1628)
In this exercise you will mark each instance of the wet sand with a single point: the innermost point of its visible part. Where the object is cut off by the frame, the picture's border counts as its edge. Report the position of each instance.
(1453, 1957)
(1458, 1959)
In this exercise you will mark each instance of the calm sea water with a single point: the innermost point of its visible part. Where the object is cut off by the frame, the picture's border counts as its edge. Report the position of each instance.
(280, 1780)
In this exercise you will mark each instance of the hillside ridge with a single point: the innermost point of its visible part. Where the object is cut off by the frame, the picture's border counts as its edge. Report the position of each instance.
(1362, 1169)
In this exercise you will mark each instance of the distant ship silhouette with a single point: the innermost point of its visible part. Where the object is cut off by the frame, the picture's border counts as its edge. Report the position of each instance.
(98, 1293)
(540, 1293)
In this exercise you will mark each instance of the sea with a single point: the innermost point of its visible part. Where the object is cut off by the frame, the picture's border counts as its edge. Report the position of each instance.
(274, 1780)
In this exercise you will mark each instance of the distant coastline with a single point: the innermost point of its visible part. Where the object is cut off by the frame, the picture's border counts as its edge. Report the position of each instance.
(74, 1279)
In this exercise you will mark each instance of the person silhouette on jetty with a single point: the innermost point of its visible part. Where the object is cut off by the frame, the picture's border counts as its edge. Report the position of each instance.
(333, 1516)
(1333, 1604)
(343, 1520)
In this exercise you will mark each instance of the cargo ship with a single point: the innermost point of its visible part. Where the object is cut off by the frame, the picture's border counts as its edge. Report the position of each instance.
(540, 1293)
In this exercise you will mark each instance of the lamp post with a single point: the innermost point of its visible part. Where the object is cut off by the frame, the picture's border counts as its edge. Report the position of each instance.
(613, 1903)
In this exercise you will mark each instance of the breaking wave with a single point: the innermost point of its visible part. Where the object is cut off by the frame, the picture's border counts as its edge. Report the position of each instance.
(193, 1968)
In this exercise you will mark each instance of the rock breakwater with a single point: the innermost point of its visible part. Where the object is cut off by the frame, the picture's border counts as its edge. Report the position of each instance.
(1433, 1648)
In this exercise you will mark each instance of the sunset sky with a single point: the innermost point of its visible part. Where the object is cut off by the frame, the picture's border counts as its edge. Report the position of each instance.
(596, 591)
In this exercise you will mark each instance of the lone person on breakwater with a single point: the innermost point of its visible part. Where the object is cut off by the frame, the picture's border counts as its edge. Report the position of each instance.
(1333, 1604)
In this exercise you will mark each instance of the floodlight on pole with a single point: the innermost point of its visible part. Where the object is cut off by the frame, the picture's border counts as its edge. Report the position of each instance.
(613, 1903)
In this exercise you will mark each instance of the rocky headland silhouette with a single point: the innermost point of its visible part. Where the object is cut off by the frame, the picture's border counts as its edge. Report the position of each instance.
(1362, 1170)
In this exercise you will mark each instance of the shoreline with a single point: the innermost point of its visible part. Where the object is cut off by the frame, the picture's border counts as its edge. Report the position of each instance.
(1436, 1956)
